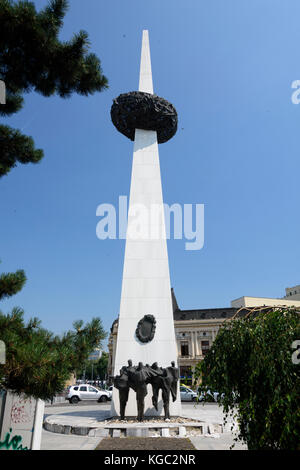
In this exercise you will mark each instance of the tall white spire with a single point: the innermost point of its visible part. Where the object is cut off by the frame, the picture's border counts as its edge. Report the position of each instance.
(145, 83)
(146, 286)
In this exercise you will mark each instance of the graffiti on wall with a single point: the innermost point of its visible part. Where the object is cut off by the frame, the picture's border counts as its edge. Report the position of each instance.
(18, 422)
(12, 442)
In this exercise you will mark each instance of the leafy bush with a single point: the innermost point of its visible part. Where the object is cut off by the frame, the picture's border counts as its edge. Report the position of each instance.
(250, 365)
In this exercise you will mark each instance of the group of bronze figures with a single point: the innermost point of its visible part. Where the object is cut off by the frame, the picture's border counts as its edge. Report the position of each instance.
(138, 377)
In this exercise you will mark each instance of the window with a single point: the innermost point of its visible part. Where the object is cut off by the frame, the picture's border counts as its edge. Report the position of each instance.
(83, 389)
(204, 347)
(92, 389)
(185, 372)
(184, 346)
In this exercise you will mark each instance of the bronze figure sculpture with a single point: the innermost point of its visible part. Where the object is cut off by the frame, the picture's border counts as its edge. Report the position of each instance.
(137, 378)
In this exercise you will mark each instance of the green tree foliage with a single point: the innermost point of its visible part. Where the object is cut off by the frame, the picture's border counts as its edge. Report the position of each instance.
(32, 58)
(11, 283)
(250, 365)
(94, 369)
(16, 147)
(38, 363)
(101, 367)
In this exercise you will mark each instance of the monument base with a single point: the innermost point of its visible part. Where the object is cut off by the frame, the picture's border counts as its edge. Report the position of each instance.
(151, 427)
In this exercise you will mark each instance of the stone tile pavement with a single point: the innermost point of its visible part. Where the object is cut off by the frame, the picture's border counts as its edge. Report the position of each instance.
(53, 441)
(209, 412)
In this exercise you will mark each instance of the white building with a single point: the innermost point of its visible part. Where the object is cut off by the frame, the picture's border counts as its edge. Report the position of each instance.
(292, 293)
(291, 299)
(95, 355)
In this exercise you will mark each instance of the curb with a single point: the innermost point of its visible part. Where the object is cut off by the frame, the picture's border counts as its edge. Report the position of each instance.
(164, 430)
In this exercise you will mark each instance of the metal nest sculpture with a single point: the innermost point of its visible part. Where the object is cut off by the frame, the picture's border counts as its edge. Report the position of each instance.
(140, 110)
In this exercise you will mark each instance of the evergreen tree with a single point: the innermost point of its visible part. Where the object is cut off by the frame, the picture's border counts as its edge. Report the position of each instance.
(93, 369)
(32, 58)
(101, 368)
(38, 363)
(11, 283)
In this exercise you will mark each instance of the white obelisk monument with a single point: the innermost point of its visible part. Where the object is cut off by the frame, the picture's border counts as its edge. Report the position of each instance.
(146, 280)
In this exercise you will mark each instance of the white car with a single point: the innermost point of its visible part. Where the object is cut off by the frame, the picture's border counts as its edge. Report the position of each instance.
(110, 391)
(208, 396)
(86, 392)
(186, 394)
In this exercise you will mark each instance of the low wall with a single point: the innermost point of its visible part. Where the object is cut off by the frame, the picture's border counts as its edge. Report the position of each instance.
(21, 420)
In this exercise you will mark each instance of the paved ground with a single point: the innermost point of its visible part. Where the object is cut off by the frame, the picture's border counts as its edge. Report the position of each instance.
(145, 443)
(53, 441)
(209, 412)
(223, 442)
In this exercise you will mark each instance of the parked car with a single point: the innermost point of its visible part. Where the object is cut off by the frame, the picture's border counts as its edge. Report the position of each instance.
(186, 394)
(86, 392)
(110, 391)
(208, 396)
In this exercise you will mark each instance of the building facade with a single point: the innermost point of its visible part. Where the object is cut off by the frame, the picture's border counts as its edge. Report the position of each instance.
(291, 299)
(292, 293)
(195, 331)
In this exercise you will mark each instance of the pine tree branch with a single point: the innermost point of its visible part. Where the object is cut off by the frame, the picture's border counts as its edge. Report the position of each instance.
(16, 147)
(11, 283)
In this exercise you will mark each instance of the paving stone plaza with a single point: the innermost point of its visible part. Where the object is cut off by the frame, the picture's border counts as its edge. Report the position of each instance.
(87, 418)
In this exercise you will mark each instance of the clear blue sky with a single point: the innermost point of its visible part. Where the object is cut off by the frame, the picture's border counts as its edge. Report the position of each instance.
(227, 67)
